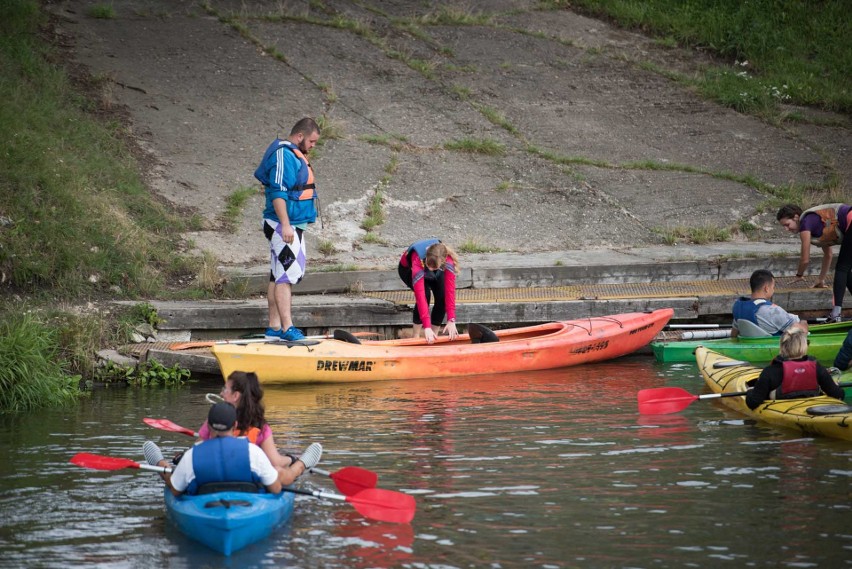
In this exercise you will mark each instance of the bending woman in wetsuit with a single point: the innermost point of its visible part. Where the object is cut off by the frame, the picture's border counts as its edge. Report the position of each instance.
(428, 267)
(824, 226)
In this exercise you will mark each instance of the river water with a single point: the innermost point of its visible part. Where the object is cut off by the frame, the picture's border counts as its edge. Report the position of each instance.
(534, 470)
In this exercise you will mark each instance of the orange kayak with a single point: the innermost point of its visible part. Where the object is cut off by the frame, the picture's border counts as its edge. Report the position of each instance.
(545, 346)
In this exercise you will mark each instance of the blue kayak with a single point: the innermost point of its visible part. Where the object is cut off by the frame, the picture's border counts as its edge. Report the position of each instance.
(229, 521)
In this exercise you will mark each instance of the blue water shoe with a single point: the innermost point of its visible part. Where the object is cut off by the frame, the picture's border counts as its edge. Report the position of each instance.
(292, 334)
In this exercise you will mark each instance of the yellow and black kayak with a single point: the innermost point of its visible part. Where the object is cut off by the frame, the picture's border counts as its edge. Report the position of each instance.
(821, 415)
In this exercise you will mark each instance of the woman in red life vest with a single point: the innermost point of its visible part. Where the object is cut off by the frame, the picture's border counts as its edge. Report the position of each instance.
(428, 267)
(792, 374)
(243, 391)
(824, 226)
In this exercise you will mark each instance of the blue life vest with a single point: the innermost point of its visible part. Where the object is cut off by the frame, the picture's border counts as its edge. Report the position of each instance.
(304, 188)
(745, 308)
(420, 248)
(223, 459)
(799, 379)
(302, 198)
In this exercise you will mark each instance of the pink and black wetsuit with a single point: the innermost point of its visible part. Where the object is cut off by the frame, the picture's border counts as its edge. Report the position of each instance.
(425, 283)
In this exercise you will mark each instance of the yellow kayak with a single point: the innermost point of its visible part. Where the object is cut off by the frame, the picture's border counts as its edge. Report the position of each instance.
(821, 415)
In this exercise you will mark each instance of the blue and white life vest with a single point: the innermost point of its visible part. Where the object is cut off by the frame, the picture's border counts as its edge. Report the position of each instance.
(223, 459)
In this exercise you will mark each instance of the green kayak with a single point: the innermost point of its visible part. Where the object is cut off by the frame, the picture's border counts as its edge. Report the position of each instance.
(824, 343)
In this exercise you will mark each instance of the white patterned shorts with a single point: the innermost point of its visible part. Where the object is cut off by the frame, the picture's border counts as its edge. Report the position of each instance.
(287, 260)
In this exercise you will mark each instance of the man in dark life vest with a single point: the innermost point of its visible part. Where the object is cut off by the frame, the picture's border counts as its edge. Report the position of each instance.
(760, 310)
(223, 458)
(792, 374)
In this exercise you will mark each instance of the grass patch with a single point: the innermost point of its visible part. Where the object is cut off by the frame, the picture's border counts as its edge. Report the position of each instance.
(373, 237)
(455, 16)
(328, 93)
(339, 268)
(698, 235)
(32, 374)
(330, 129)
(789, 50)
(471, 245)
(461, 92)
(326, 247)
(495, 117)
(69, 184)
(375, 212)
(396, 142)
(476, 146)
(234, 204)
(101, 11)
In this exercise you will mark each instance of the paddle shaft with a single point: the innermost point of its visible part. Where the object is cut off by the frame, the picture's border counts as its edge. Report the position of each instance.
(738, 393)
(666, 400)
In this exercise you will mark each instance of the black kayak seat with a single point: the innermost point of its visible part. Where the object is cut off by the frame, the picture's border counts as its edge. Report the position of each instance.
(829, 409)
(227, 503)
(213, 487)
(479, 334)
(345, 336)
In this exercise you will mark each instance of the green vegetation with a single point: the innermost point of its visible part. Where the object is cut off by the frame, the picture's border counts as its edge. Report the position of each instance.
(101, 11)
(497, 118)
(373, 237)
(148, 374)
(470, 245)
(395, 142)
(70, 185)
(31, 374)
(339, 268)
(76, 221)
(326, 247)
(698, 235)
(782, 50)
(234, 206)
(375, 213)
(454, 16)
(476, 146)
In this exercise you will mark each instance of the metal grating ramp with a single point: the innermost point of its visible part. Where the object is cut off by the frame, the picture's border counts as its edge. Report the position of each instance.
(732, 287)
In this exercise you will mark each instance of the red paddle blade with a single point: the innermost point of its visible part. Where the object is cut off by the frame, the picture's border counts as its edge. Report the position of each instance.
(351, 480)
(166, 425)
(99, 462)
(384, 505)
(664, 400)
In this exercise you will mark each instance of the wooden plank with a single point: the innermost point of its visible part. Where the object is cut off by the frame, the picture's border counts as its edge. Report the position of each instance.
(508, 277)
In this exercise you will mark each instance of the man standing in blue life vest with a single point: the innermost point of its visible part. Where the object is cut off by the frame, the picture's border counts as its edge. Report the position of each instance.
(291, 198)
(223, 458)
(760, 310)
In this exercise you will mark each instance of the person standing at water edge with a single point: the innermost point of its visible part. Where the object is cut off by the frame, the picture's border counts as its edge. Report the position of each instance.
(759, 308)
(428, 267)
(792, 374)
(824, 226)
(291, 198)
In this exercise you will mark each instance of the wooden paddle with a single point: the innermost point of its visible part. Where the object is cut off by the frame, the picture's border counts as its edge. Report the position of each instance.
(350, 479)
(666, 400)
(373, 503)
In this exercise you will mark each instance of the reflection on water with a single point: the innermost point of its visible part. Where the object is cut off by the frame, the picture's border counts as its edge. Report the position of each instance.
(548, 469)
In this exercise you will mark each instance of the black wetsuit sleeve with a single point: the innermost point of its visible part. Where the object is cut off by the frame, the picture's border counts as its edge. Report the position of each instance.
(764, 386)
(826, 383)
